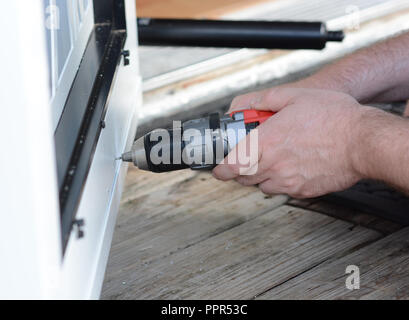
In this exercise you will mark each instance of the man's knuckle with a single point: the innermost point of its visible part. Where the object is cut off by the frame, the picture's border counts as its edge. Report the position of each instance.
(296, 195)
(266, 188)
(288, 184)
(216, 175)
(292, 186)
(235, 169)
(275, 168)
(244, 181)
(288, 174)
(305, 193)
(283, 170)
(236, 101)
(271, 93)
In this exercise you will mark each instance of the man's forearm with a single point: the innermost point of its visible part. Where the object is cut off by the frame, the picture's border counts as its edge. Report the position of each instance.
(381, 148)
(375, 74)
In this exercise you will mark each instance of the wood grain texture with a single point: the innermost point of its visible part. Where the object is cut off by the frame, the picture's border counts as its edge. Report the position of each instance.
(383, 265)
(190, 8)
(239, 262)
(164, 213)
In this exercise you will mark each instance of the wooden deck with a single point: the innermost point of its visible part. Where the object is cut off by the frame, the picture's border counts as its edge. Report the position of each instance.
(197, 9)
(185, 235)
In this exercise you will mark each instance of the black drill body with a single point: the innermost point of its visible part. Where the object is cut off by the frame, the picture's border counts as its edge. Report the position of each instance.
(197, 144)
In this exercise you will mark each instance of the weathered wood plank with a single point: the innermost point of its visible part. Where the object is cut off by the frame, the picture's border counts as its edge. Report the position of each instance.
(199, 196)
(139, 183)
(241, 262)
(384, 274)
(176, 214)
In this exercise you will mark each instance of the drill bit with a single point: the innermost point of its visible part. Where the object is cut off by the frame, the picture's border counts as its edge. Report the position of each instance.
(127, 156)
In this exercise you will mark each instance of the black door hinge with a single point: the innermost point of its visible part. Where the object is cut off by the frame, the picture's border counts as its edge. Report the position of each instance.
(78, 224)
(126, 54)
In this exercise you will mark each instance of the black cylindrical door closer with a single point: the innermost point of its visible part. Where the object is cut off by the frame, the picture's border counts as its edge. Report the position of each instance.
(235, 34)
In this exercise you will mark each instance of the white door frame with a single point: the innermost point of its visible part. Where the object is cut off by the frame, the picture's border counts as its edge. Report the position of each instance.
(30, 242)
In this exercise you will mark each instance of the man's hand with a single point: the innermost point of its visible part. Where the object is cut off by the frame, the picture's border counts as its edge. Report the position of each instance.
(307, 149)
(323, 141)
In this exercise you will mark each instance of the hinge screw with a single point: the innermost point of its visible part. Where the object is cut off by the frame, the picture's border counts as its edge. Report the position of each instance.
(126, 54)
(78, 225)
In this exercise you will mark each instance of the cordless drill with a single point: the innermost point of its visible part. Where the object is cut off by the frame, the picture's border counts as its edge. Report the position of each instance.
(211, 137)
